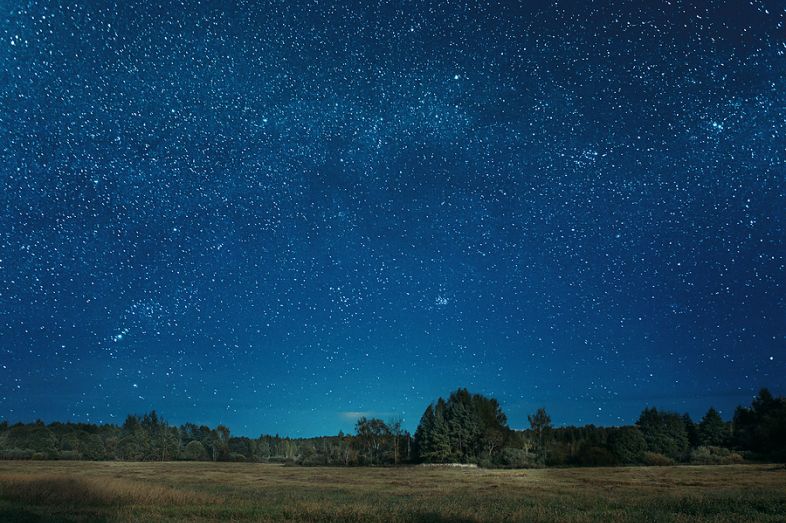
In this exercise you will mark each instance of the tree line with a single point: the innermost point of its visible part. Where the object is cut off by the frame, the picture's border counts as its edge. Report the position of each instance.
(464, 428)
(473, 429)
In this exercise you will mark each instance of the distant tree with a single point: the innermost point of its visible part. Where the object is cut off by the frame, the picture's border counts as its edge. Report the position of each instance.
(263, 448)
(241, 445)
(326, 449)
(130, 425)
(440, 451)
(110, 448)
(42, 440)
(224, 433)
(164, 446)
(462, 429)
(455, 430)
(492, 439)
(218, 448)
(664, 432)
(691, 430)
(70, 441)
(134, 446)
(762, 426)
(423, 432)
(151, 423)
(488, 414)
(346, 451)
(203, 435)
(713, 431)
(541, 426)
(307, 452)
(17, 437)
(92, 447)
(290, 448)
(187, 431)
(627, 445)
(678, 433)
(371, 434)
(195, 451)
(396, 432)
(432, 437)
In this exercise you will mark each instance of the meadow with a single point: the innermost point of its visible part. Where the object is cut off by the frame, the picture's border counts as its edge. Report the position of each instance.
(210, 492)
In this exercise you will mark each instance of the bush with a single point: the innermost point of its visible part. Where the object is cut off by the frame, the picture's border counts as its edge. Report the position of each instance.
(38, 456)
(17, 453)
(749, 455)
(651, 459)
(714, 456)
(316, 460)
(709, 455)
(517, 458)
(70, 455)
(486, 464)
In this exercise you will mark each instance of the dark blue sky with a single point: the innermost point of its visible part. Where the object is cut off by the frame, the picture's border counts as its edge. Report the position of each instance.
(280, 216)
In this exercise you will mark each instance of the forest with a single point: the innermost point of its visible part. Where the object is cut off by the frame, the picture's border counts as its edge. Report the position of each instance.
(464, 428)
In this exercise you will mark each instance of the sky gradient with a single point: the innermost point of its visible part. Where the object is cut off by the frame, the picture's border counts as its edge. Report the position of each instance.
(280, 216)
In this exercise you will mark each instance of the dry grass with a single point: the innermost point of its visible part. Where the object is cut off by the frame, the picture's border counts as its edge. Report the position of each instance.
(120, 492)
(69, 490)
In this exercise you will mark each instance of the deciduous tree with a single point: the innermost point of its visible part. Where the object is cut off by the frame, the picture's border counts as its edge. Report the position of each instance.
(627, 445)
(664, 432)
(195, 451)
(541, 426)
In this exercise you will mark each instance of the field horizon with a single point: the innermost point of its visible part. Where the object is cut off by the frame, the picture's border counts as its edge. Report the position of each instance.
(204, 491)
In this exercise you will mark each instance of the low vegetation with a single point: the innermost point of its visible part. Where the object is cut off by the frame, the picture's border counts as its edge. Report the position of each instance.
(209, 492)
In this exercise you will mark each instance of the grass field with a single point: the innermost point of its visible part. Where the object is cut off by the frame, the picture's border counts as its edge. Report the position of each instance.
(188, 491)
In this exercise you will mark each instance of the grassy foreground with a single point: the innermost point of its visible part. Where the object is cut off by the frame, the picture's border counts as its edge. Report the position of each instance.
(188, 491)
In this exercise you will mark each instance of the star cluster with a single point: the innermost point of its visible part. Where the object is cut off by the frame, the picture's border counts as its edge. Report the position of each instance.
(282, 215)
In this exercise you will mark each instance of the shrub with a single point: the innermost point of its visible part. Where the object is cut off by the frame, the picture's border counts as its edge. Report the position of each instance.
(749, 455)
(710, 455)
(38, 456)
(517, 458)
(651, 459)
(17, 453)
(316, 460)
(70, 455)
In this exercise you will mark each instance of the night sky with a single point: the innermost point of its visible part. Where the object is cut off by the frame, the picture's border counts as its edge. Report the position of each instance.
(280, 216)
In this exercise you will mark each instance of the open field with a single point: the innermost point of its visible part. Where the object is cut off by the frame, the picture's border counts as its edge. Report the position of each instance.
(188, 491)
